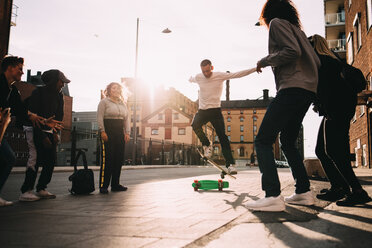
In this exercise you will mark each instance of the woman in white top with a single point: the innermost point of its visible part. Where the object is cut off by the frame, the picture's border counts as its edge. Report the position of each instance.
(113, 123)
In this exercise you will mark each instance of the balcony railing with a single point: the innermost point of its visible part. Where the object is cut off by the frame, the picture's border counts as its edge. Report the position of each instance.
(13, 21)
(337, 45)
(335, 18)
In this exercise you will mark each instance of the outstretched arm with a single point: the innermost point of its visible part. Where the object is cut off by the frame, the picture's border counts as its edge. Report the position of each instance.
(238, 74)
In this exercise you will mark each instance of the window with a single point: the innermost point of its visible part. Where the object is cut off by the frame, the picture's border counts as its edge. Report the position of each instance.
(216, 138)
(241, 112)
(160, 116)
(369, 14)
(228, 112)
(364, 155)
(254, 118)
(241, 151)
(358, 31)
(176, 117)
(350, 2)
(361, 110)
(254, 111)
(241, 119)
(181, 131)
(228, 119)
(241, 128)
(241, 138)
(154, 131)
(356, 157)
(228, 137)
(215, 150)
(229, 128)
(137, 118)
(254, 128)
(350, 48)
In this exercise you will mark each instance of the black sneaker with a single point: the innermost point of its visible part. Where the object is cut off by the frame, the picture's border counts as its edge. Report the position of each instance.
(103, 191)
(355, 198)
(333, 195)
(119, 188)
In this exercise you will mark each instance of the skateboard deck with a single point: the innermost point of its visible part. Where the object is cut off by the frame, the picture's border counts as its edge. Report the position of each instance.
(210, 184)
(215, 165)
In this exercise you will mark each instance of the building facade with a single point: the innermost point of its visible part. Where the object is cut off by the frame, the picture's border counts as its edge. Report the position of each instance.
(358, 22)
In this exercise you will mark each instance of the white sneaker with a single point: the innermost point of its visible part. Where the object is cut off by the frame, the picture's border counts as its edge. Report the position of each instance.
(28, 196)
(207, 151)
(268, 204)
(4, 203)
(44, 194)
(305, 199)
(232, 170)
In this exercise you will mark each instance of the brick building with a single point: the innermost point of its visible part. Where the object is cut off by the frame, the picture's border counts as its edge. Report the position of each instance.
(358, 22)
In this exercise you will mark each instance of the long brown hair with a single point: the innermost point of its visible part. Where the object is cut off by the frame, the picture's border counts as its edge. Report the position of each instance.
(283, 9)
(320, 46)
(107, 91)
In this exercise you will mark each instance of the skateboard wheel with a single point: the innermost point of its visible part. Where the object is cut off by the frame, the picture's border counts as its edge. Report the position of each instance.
(195, 188)
(219, 188)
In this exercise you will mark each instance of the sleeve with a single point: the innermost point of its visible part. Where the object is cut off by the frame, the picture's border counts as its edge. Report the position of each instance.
(238, 74)
(34, 101)
(127, 122)
(100, 115)
(289, 49)
(20, 109)
(60, 111)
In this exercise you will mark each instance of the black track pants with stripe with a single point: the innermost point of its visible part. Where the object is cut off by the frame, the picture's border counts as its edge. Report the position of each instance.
(112, 153)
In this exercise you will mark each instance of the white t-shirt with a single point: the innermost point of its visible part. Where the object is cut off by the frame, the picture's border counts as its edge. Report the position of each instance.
(211, 88)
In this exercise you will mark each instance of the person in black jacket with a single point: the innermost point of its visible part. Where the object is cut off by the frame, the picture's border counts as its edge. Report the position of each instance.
(47, 102)
(11, 72)
(336, 102)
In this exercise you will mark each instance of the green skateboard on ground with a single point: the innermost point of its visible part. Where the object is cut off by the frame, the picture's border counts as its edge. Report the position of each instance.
(210, 184)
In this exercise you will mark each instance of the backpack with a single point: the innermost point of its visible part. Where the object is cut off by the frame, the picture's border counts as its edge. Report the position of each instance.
(354, 77)
(83, 179)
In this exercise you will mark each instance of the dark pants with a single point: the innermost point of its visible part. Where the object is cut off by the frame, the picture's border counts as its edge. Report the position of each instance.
(214, 116)
(284, 115)
(46, 156)
(112, 154)
(333, 151)
(7, 160)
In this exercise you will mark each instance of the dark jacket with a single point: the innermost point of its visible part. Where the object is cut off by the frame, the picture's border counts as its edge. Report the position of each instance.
(10, 98)
(336, 98)
(46, 102)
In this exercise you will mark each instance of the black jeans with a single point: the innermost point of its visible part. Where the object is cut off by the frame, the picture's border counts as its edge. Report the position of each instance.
(333, 151)
(284, 115)
(112, 153)
(46, 156)
(7, 160)
(214, 116)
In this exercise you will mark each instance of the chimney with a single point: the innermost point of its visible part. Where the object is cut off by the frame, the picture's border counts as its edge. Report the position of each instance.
(28, 76)
(266, 94)
(228, 88)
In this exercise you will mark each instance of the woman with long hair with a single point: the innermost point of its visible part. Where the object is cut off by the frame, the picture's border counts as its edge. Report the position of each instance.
(295, 67)
(336, 103)
(114, 126)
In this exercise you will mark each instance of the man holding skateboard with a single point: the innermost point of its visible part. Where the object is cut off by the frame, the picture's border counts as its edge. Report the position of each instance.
(211, 84)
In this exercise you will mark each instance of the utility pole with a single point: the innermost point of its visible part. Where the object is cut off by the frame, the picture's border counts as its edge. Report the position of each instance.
(5, 21)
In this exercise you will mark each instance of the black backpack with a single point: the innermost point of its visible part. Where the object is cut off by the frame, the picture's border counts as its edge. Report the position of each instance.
(83, 179)
(354, 77)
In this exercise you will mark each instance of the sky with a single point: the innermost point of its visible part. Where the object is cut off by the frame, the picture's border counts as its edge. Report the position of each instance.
(93, 42)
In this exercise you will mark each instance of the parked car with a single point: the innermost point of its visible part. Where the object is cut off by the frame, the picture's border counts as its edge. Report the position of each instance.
(281, 164)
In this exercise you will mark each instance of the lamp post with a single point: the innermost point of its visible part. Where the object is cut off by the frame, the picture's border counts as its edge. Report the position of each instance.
(134, 151)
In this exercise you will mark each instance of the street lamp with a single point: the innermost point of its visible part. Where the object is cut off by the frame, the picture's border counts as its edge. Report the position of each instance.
(165, 31)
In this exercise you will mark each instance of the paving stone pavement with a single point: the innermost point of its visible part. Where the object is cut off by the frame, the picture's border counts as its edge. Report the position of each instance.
(171, 214)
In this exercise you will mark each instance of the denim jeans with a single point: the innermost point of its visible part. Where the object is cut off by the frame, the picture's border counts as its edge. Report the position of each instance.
(284, 115)
(7, 160)
(214, 116)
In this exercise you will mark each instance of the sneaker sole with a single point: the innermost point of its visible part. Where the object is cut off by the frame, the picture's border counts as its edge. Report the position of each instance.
(47, 197)
(268, 209)
(302, 203)
(28, 200)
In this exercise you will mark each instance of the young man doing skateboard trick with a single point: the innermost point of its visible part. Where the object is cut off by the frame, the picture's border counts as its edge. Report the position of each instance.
(211, 84)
